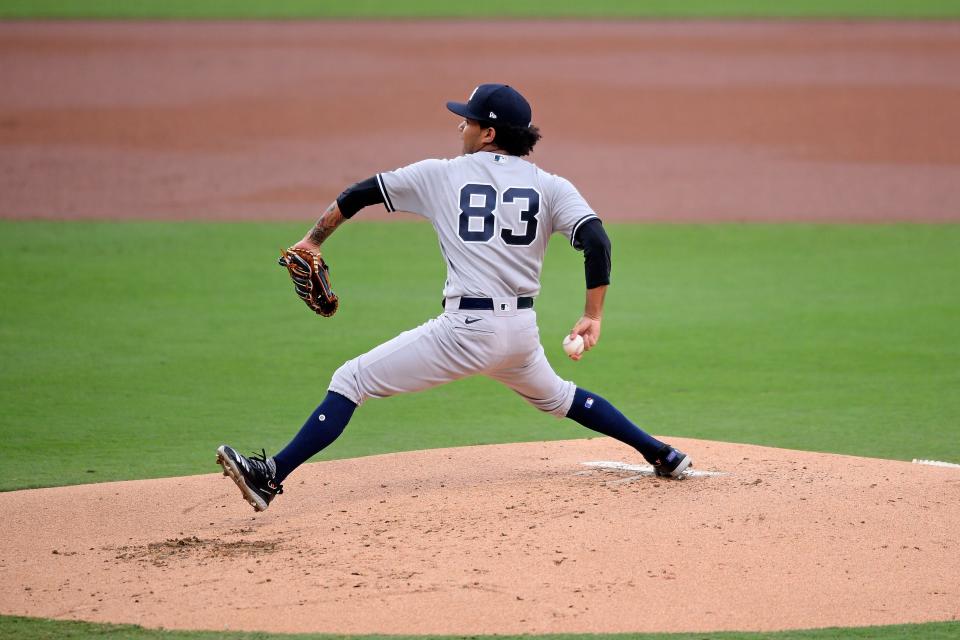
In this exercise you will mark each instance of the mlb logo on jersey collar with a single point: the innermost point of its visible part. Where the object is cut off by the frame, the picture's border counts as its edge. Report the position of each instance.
(499, 159)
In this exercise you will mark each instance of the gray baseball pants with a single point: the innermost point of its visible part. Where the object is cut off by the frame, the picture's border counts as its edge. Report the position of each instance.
(503, 345)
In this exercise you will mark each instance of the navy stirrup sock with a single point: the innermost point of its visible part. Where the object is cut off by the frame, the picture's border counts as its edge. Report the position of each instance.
(323, 426)
(593, 412)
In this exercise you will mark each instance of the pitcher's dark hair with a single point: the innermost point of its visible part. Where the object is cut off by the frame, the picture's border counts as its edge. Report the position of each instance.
(517, 141)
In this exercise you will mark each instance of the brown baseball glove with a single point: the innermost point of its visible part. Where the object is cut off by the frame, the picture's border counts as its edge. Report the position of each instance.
(311, 279)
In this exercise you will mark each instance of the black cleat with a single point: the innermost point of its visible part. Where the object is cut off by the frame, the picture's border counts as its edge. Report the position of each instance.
(670, 462)
(254, 475)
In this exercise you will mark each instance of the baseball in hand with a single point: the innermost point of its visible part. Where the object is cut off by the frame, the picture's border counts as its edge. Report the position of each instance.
(573, 346)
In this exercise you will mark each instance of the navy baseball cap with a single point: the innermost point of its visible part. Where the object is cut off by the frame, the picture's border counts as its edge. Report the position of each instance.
(495, 103)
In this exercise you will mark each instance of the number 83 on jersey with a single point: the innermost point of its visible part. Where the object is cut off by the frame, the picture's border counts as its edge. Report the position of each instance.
(478, 204)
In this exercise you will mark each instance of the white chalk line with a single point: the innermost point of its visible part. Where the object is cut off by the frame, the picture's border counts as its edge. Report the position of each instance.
(644, 470)
(937, 463)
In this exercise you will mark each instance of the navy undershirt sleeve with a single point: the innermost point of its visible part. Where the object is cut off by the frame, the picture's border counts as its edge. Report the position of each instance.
(596, 253)
(359, 195)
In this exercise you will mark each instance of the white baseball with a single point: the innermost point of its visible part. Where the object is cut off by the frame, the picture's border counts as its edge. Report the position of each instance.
(573, 347)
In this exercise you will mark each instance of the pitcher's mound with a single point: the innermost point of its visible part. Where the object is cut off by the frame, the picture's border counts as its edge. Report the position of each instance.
(520, 538)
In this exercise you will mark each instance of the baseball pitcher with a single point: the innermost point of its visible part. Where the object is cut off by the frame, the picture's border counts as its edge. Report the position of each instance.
(493, 212)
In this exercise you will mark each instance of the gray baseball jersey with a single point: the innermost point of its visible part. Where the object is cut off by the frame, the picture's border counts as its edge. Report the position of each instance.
(493, 214)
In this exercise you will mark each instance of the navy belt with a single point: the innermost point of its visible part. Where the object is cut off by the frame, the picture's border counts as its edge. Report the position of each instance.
(486, 304)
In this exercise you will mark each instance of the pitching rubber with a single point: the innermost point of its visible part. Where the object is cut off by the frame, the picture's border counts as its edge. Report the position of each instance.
(231, 470)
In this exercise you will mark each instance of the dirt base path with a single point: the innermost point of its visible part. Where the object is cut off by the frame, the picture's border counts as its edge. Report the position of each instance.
(519, 538)
(840, 121)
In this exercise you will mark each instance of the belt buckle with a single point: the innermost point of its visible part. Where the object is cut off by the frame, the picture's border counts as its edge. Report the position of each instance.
(504, 306)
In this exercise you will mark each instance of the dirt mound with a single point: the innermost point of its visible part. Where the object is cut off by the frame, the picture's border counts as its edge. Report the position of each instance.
(520, 538)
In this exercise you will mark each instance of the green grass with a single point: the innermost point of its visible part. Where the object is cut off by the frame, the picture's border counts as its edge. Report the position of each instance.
(493, 8)
(164, 340)
(37, 629)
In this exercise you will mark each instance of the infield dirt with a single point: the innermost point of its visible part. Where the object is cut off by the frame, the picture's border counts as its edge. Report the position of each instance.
(680, 121)
(518, 538)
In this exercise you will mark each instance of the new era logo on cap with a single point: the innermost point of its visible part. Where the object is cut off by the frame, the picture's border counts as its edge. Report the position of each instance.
(498, 102)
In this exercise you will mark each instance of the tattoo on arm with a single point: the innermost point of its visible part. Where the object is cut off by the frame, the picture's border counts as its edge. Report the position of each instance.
(327, 224)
